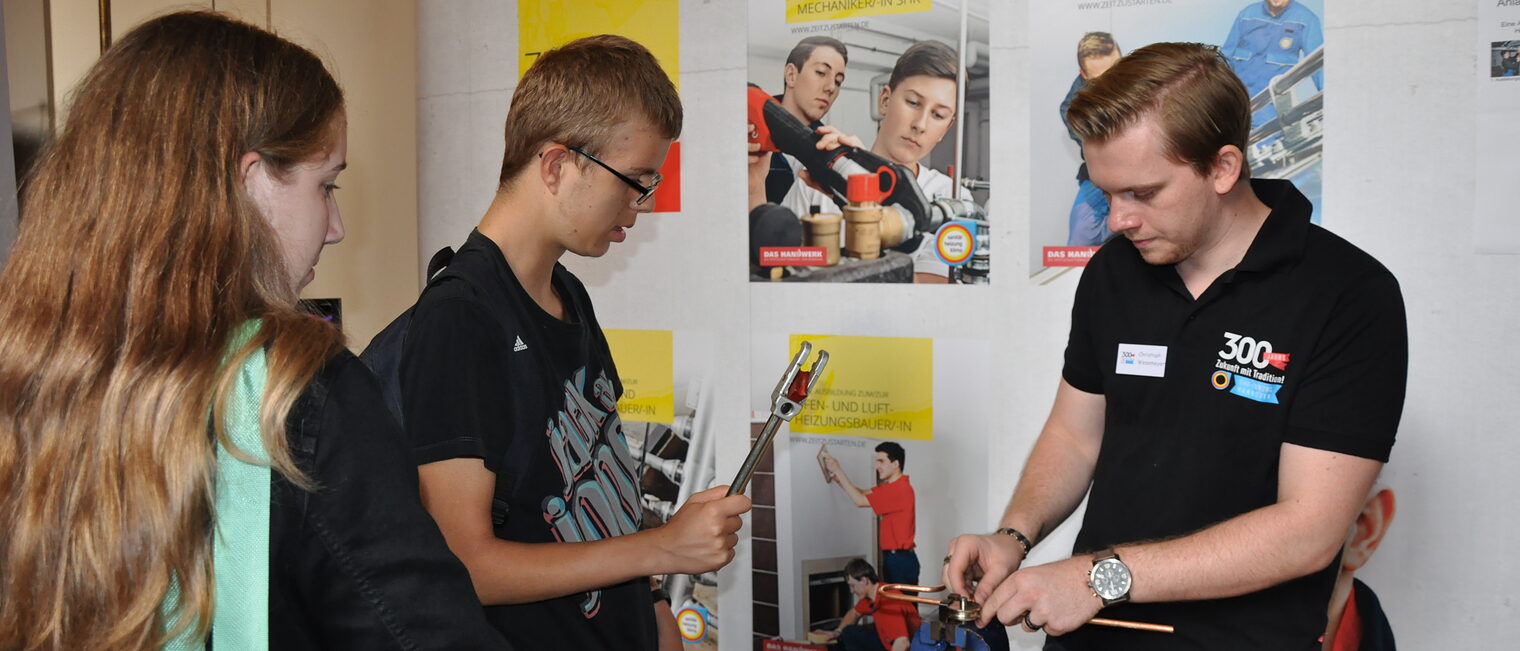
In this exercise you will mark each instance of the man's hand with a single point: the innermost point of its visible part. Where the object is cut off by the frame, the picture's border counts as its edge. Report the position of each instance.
(831, 137)
(1055, 596)
(700, 537)
(827, 635)
(981, 563)
(834, 470)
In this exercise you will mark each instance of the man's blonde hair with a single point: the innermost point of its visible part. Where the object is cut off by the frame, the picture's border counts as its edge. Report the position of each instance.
(577, 93)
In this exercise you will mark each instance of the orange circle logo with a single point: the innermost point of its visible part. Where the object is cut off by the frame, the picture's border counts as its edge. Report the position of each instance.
(692, 623)
(1221, 379)
(954, 243)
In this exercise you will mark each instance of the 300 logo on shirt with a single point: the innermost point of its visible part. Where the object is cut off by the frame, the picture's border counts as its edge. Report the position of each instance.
(1248, 350)
(1240, 368)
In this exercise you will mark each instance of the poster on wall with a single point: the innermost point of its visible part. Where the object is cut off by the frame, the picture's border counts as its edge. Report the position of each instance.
(883, 465)
(869, 132)
(544, 24)
(1275, 46)
(1495, 229)
(666, 409)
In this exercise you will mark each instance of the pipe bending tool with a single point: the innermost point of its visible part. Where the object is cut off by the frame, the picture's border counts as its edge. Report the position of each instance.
(786, 401)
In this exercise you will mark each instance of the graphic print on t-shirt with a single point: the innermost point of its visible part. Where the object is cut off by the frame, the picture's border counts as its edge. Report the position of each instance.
(601, 495)
(1241, 368)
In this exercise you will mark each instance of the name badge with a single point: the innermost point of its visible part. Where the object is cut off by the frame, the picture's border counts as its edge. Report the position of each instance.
(1140, 359)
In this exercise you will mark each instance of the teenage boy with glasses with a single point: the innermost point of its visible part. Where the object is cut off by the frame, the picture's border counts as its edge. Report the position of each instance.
(509, 390)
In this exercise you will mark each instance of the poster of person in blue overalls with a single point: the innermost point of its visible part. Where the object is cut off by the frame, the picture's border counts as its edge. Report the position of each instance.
(1275, 46)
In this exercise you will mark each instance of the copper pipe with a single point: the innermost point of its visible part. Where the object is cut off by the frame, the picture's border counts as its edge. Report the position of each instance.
(1096, 621)
(1138, 626)
(899, 587)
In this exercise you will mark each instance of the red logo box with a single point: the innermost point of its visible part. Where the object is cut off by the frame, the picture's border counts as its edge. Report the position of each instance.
(793, 256)
(1068, 256)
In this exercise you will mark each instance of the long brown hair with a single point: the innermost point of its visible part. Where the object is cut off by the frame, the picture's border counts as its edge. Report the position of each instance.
(139, 257)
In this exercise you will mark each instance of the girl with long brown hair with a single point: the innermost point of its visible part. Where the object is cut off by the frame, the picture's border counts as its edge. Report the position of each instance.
(150, 319)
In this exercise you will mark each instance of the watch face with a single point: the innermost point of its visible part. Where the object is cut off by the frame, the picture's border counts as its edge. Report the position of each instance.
(1110, 578)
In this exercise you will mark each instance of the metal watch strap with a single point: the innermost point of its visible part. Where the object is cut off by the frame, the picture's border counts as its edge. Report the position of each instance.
(1019, 536)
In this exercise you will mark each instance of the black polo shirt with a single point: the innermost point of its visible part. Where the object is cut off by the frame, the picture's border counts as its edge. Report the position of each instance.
(1303, 342)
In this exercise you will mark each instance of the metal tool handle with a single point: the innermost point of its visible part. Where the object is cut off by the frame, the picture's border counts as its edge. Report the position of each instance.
(741, 480)
(786, 401)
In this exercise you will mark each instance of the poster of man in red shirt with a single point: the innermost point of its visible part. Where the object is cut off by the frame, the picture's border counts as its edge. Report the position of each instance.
(891, 498)
(893, 620)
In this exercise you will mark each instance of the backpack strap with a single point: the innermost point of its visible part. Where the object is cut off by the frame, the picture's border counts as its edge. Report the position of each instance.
(383, 354)
(440, 259)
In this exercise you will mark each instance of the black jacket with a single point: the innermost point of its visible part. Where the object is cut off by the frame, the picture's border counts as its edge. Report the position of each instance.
(358, 563)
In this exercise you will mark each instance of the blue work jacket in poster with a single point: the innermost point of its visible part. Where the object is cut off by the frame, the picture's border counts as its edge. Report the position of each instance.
(1261, 46)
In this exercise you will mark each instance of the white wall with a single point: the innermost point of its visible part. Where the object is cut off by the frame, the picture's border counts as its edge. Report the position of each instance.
(1398, 178)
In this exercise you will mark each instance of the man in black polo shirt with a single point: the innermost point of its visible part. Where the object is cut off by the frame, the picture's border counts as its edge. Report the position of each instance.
(1234, 378)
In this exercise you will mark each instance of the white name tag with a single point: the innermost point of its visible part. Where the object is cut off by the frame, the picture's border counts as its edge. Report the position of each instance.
(1140, 359)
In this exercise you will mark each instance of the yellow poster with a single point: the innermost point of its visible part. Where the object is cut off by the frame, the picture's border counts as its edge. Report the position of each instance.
(806, 11)
(643, 359)
(655, 24)
(881, 387)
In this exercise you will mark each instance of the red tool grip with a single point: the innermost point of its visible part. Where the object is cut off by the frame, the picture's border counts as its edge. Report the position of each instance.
(756, 115)
(799, 389)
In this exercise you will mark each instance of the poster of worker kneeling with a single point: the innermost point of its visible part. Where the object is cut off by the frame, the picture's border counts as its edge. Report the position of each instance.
(1275, 47)
(868, 141)
(883, 461)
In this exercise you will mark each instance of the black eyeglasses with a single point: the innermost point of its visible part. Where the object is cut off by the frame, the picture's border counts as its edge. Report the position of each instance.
(644, 192)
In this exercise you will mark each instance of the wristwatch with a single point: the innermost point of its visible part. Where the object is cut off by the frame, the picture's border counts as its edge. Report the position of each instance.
(1109, 578)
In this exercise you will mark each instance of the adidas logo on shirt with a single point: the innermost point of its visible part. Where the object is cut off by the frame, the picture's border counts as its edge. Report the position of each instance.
(519, 346)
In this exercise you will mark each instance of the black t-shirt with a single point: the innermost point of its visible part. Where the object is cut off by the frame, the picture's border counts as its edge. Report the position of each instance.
(1303, 342)
(357, 563)
(536, 400)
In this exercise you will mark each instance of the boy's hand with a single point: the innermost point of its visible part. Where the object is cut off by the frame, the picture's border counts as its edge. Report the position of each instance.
(700, 537)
